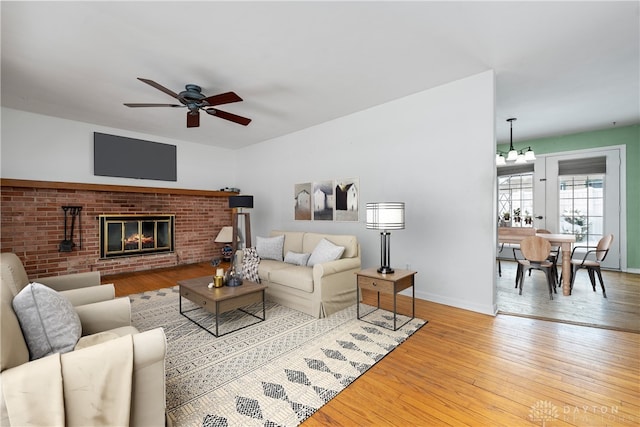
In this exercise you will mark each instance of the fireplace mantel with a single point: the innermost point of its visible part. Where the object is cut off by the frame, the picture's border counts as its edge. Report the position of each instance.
(9, 182)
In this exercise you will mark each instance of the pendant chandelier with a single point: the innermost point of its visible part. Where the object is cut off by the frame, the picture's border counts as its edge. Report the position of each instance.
(514, 155)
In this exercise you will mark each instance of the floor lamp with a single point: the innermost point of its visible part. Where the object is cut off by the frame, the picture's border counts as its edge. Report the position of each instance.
(385, 216)
(237, 203)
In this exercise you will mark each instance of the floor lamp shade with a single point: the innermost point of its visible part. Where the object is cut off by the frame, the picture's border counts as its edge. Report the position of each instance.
(385, 216)
(241, 202)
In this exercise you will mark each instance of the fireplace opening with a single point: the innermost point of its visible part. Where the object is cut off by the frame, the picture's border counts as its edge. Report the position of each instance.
(128, 235)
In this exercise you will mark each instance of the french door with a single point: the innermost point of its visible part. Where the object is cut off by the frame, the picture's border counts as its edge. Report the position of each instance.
(580, 193)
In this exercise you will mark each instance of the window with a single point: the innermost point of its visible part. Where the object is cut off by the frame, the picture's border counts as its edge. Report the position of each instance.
(515, 200)
(582, 207)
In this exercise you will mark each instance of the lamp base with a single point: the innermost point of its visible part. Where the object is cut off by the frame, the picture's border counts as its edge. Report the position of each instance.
(385, 270)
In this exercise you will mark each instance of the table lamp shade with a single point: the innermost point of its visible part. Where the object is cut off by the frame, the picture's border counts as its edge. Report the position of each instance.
(225, 235)
(385, 216)
(241, 201)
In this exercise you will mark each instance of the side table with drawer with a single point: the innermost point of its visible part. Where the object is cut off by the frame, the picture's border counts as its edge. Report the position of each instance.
(391, 284)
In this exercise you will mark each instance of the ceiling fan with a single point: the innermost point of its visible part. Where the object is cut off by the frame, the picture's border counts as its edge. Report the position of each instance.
(194, 100)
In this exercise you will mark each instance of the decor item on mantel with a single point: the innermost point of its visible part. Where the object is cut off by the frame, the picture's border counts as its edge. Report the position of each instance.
(385, 216)
(518, 156)
(225, 236)
(237, 203)
(68, 244)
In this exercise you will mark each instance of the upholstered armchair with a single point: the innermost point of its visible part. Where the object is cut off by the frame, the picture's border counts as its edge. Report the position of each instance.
(111, 375)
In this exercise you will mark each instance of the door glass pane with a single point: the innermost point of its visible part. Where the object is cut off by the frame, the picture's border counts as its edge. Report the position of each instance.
(582, 207)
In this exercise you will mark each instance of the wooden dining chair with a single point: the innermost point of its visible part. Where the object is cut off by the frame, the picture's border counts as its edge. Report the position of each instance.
(554, 255)
(591, 261)
(535, 251)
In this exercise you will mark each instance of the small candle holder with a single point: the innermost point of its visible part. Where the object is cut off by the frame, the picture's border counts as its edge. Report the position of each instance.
(218, 281)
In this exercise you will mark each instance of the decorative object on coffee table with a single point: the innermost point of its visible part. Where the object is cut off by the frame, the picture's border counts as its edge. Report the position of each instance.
(237, 203)
(385, 216)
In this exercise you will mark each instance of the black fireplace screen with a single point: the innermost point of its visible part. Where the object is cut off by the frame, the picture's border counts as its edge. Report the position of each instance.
(122, 235)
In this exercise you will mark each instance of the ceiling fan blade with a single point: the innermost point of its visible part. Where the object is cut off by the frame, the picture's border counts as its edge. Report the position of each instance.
(193, 119)
(153, 105)
(159, 87)
(223, 98)
(228, 116)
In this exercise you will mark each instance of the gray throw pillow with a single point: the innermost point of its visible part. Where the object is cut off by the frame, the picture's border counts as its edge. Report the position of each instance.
(296, 258)
(325, 251)
(48, 321)
(270, 247)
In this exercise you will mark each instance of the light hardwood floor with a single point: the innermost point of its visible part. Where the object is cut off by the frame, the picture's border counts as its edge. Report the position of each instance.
(465, 368)
(620, 310)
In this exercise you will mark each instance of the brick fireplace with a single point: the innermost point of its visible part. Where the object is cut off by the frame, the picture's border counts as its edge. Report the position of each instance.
(32, 225)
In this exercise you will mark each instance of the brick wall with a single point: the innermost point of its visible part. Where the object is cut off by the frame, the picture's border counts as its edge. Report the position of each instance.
(32, 226)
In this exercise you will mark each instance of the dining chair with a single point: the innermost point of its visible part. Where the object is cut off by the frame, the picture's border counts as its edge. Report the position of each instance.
(500, 249)
(591, 261)
(554, 255)
(535, 251)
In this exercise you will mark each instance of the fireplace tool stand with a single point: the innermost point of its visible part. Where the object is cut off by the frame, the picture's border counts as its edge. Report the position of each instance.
(67, 244)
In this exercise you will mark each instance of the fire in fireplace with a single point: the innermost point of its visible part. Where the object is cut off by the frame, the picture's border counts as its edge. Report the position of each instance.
(127, 235)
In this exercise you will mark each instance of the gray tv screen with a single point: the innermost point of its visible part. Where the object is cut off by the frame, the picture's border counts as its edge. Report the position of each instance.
(123, 157)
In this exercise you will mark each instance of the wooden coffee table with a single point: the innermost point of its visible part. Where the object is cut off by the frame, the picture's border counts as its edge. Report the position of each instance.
(221, 300)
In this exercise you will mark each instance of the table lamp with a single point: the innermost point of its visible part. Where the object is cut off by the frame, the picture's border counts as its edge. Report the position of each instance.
(225, 236)
(385, 216)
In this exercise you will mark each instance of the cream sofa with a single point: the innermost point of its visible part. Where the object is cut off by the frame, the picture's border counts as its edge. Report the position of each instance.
(104, 320)
(320, 290)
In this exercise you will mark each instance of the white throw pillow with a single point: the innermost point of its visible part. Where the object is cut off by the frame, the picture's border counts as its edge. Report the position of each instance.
(325, 251)
(48, 320)
(296, 258)
(270, 247)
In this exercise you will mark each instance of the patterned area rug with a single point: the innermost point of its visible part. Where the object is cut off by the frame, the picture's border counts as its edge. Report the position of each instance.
(276, 372)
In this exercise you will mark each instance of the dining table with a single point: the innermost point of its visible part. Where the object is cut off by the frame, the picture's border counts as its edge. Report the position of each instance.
(565, 241)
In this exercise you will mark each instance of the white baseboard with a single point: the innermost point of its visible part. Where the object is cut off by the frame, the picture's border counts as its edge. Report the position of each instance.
(490, 310)
(633, 270)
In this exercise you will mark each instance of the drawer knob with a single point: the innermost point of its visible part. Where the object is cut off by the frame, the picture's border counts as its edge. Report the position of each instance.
(374, 283)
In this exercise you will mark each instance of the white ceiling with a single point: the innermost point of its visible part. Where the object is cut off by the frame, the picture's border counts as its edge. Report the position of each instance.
(561, 67)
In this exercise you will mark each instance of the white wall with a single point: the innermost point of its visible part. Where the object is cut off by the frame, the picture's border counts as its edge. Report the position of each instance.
(430, 150)
(38, 147)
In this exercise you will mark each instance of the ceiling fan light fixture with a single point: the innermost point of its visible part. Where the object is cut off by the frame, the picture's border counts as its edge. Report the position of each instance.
(193, 98)
(500, 160)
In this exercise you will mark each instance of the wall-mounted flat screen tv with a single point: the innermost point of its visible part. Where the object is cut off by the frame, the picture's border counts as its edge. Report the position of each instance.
(123, 157)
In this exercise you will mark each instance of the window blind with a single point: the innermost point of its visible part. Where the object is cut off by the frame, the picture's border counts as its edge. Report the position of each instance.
(515, 169)
(585, 166)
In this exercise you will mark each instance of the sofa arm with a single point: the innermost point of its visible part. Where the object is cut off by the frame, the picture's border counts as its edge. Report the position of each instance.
(148, 400)
(71, 281)
(333, 267)
(82, 296)
(105, 315)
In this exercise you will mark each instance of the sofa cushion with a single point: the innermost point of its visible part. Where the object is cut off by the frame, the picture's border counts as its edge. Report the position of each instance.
(296, 258)
(292, 240)
(293, 276)
(48, 321)
(250, 263)
(349, 242)
(270, 247)
(325, 251)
